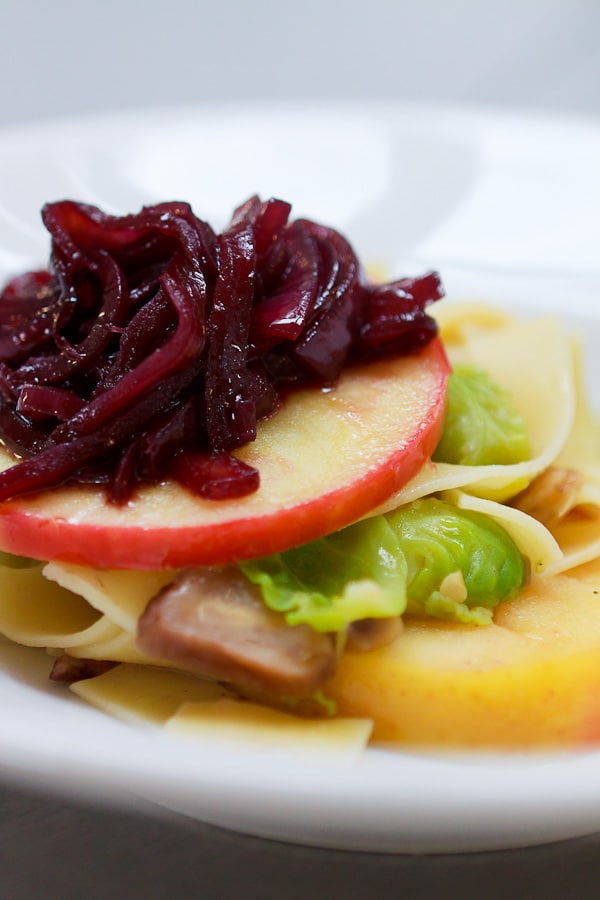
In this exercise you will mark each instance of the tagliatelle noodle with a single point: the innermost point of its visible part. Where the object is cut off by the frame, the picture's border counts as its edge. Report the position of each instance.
(227, 721)
(39, 613)
(143, 694)
(121, 595)
(119, 647)
(532, 538)
(582, 448)
(578, 530)
(188, 707)
(578, 534)
(82, 611)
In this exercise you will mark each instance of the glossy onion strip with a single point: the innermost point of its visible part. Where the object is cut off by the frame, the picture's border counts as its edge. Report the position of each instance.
(152, 346)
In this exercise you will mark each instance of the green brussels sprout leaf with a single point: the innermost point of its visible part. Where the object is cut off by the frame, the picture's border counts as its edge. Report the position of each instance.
(445, 548)
(482, 426)
(428, 557)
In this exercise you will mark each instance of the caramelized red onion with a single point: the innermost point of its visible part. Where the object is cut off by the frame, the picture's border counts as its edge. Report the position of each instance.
(152, 346)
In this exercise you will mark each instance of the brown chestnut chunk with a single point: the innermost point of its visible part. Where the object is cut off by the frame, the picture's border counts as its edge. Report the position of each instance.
(214, 622)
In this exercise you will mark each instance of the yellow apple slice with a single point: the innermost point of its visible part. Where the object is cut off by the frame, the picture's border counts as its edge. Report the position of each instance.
(532, 678)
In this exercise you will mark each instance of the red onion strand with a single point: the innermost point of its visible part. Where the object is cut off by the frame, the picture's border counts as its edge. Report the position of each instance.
(151, 346)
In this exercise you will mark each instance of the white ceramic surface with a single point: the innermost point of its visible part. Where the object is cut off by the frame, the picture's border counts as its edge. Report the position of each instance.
(508, 208)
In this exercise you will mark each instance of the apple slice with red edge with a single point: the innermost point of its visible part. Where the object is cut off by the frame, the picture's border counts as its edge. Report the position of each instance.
(326, 458)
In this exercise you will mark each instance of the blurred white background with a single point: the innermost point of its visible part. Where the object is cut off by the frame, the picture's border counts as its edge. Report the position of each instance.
(65, 56)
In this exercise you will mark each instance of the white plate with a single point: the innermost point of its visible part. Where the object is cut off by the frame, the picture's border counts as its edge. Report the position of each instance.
(508, 209)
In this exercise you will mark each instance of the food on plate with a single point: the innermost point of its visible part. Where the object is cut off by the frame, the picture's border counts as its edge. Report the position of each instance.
(154, 348)
(241, 485)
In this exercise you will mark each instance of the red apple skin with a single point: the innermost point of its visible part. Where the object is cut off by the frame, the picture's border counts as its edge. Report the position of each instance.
(326, 458)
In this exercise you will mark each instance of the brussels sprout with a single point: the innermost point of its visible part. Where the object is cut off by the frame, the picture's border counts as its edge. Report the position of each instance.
(354, 574)
(428, 557)
(482, 426)
(460, 563)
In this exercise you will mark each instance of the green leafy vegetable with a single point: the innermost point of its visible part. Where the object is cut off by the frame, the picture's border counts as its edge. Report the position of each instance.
(444, 547)
(428, 556)
(482, 426)
(357, 573)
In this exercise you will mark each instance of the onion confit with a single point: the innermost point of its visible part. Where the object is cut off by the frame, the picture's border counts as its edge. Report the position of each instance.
(152, 346)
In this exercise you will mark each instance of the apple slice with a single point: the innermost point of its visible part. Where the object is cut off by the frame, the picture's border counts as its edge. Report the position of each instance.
(530, 679)
(326, 458)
